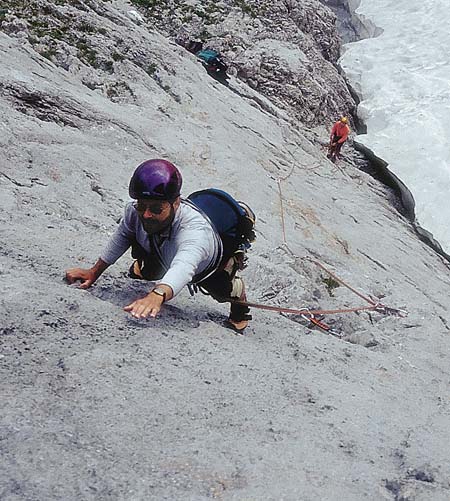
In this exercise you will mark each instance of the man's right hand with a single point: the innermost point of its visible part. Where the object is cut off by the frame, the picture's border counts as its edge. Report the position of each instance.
(86, 277)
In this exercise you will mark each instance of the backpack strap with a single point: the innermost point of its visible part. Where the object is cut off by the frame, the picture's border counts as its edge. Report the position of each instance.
(215, 265)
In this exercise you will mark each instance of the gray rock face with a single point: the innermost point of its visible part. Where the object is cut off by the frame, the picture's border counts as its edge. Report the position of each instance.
(285, 50)
(96, 405)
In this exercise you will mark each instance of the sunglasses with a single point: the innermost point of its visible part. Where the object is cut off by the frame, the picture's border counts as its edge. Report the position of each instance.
(154, 207)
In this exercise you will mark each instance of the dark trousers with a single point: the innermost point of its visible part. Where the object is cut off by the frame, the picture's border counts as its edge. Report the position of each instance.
(336, 149)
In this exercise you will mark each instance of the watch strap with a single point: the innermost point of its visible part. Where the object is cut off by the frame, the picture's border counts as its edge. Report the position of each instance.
(160, 292)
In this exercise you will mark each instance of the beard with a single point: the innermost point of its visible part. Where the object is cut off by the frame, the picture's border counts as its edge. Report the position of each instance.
(152, 226)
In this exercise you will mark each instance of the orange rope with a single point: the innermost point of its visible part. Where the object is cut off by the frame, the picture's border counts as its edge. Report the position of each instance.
(374, 306)
(339, 280)
(282, 211)
(304, 311)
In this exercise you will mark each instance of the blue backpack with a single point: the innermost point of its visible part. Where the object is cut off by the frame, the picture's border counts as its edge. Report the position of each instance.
(234, 221)
(208, 55)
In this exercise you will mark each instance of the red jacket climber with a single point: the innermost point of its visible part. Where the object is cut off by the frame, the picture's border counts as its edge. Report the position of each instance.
(338, 136)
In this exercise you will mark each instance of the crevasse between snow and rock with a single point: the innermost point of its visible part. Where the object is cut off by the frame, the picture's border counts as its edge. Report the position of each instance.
(402, 78)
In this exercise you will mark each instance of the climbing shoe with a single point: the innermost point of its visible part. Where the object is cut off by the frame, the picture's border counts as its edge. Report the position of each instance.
(237, 326)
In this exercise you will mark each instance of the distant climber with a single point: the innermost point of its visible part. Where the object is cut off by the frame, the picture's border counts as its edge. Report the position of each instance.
(193, 46)
(211, 59)
(339, 134)
(173, 244)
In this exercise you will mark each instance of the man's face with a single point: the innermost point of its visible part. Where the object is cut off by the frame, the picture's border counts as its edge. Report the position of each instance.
(155, 215)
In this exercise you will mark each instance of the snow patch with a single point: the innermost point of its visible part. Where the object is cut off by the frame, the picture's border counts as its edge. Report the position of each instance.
(402, 77)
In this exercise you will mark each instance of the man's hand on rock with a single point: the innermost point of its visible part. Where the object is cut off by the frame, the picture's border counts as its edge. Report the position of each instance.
(149, 305)
(86, 276)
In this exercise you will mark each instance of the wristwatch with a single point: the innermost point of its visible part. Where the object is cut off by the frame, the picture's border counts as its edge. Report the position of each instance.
(160, 292)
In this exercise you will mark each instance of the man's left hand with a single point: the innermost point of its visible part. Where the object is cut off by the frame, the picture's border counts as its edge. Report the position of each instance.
(149, 305)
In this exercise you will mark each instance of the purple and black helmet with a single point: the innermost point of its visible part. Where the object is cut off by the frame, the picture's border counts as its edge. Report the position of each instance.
(156, 179)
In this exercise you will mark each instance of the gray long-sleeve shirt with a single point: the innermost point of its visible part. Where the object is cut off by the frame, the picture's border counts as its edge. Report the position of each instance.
(189, 248)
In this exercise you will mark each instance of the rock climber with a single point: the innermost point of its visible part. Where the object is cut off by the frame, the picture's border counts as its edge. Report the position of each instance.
(173, 244)
(339, 134)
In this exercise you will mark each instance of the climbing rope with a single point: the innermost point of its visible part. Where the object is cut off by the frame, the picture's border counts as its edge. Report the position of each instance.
(378, 307)
(340, 281)
(281, 201)
(282, 212)
(307, 313)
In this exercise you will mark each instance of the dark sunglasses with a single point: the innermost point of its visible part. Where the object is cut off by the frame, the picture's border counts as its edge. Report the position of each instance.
(154, 207)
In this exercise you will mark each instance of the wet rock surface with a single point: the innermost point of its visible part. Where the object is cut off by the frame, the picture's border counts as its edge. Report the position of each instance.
(96, 405)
